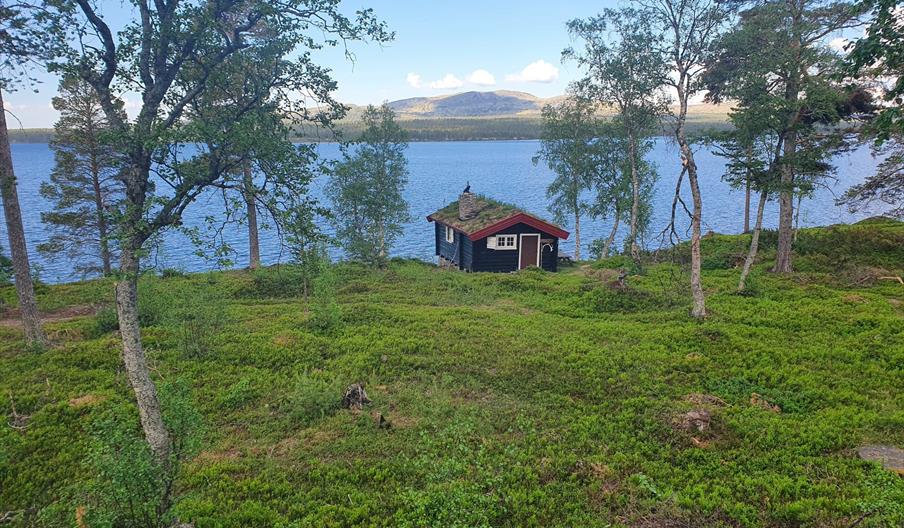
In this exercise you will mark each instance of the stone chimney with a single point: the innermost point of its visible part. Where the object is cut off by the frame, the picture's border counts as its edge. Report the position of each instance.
(467, 206)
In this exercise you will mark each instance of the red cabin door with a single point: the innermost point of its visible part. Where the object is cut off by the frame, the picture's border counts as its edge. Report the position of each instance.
(529, 251)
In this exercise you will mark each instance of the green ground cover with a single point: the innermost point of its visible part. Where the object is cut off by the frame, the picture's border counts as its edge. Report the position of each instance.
(527, 399)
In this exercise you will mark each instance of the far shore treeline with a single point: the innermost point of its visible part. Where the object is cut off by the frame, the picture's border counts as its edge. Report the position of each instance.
(435, 129)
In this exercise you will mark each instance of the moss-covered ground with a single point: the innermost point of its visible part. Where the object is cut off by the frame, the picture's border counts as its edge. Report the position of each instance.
(527, 399)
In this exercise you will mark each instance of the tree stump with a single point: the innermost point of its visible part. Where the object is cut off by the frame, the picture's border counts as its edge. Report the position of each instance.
(355, 397)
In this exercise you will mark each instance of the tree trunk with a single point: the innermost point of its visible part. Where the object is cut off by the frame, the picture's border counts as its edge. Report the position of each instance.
(786, 209)
(747, 204)
(789, 148)
(254, 249)
(382, 240)
(754, 243)
(101, 220)
(135, 362)
(635, 195)
(611, 237)
(687, 159)
(28, 306)
(577, 236)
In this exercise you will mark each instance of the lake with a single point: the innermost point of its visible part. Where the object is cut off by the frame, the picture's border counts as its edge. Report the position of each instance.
(438, 173)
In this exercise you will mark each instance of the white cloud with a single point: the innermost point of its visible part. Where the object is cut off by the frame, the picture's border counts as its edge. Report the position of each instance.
(838, 44)
(414, 80)
(539, 71)
(449, 82)
(482, 77)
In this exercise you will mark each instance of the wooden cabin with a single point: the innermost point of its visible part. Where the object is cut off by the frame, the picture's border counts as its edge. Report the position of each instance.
(479, 234)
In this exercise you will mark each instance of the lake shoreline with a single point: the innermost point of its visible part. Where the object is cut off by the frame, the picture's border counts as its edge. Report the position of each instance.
(439, 170)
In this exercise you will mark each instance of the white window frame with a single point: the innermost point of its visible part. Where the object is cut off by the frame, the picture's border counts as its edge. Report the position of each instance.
(450, 235)
(511, 242)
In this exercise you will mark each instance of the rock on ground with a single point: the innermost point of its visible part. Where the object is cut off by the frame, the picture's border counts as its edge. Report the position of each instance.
(890, 457)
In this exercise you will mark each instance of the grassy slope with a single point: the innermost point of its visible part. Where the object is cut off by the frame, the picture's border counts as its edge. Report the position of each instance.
(527, 399)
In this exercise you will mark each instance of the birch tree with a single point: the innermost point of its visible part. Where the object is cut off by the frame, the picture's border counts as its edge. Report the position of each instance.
(626, 73)
(572, 148)
(169, 54)
(366, 188)
(686, 30)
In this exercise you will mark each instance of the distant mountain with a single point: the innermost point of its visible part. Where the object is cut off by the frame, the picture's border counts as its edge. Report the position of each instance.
(470, 104)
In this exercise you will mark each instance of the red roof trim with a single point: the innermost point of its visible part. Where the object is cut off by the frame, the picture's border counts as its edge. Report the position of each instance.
(520, 218)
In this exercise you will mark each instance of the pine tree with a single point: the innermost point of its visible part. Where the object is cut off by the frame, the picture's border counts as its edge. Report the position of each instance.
(83, 187)
(775, 61)
(23, 40)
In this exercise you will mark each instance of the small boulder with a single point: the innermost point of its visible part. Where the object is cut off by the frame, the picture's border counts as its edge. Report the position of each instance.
(355, 397)
(891, 458)
(694, 420)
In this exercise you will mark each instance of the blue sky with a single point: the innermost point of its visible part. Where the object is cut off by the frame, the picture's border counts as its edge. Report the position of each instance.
(438, 47)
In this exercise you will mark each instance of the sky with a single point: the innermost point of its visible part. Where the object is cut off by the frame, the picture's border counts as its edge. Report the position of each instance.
(440, 48)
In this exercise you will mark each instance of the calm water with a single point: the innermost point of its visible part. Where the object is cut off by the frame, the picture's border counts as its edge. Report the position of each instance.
(438, 172)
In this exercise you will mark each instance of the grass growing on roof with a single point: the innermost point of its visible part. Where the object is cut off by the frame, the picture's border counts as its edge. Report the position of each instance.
(490, 211)
(527, 399)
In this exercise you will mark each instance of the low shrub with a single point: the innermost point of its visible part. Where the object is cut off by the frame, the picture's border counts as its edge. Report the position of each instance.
(199, 316)
(605, 299)
(105, 321)
(170, 273)
(276, 282)
(314, 397)
(326, 314)
(238, 395)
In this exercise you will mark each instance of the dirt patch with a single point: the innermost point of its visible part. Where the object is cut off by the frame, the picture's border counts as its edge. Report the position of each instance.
(612, 278)
(853, 299)
(13, 318)
(284, 340)
(284, 447)
(759, 401)
(86, 401)
(212, 457)
(319, 437)
(704, 399)
(694, 421)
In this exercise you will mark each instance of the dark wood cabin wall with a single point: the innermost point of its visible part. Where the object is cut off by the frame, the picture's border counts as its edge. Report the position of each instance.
(485, 259)
(451, 251)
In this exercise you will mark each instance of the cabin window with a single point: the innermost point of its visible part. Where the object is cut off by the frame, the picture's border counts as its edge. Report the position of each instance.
(450, 235)
(505, 242)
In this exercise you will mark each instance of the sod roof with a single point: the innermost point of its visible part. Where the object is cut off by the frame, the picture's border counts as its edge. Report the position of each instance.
(490, 213)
